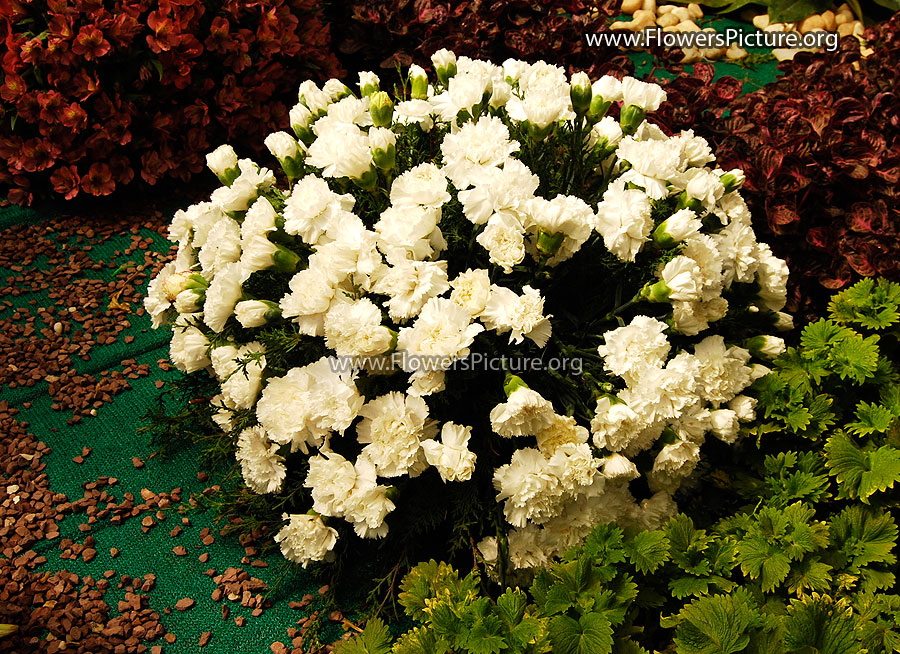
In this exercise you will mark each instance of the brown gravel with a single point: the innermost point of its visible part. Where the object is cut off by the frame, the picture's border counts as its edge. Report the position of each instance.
(40, 342)
(185, 603)
(58, 611)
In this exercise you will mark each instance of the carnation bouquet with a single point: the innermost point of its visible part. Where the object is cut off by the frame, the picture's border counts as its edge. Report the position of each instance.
(484, 315)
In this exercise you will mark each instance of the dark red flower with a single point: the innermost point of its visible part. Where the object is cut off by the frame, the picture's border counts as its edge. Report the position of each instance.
(37, 154)
(65, 181)
(73, 117)
(13, 88)
(51, 106)
(98, 180)
(90, 43)
(121, 169)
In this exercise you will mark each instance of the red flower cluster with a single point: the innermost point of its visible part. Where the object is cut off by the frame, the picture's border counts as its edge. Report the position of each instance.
(821, 151)
(96, 92)
(496, 30)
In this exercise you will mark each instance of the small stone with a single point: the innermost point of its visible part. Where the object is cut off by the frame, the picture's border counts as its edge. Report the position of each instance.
(184, 604)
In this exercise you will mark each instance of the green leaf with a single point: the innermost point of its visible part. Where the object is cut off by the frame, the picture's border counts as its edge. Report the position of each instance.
(794, 10)
(871, 419)
(628, 646)
(591, 634)
(158, 67)
(762, 560)
(647, 550)
(718, 624)
(859, 473)
(816, 623)
(374, 639)
(682, 587)
(558, 600)
(420, 641)
(810, 576)
(510, 607)
(822, 335)
(864, 536)
(855, 357)
(484, 636)
(866, 304)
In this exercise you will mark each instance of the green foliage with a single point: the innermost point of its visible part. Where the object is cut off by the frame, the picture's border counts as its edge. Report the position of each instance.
(870, 304)
(840, 385)
(374, 639)
(716, 624)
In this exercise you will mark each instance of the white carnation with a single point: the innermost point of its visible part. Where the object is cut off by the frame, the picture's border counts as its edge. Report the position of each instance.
(189, 347)
(223, 293)
(521, 315)
(410, 284)
(261, 466)
(476, 147)
(391, 430)
(342, 150)
(525, 413)
(240, 384)
(310, 208)
(450, 456)
(353, 328)
(307, 404)
(222, 247)
(442, 329)
(504, 239)
(423, 185)
(629, 350)
(723, 370)
(305, 538)
(624, 220)
(331, 480)
(472, 290)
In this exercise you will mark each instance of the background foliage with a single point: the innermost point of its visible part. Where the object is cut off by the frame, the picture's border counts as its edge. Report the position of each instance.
(98, 93)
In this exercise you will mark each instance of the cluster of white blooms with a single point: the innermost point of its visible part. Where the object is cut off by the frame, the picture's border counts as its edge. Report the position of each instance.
(433, 254)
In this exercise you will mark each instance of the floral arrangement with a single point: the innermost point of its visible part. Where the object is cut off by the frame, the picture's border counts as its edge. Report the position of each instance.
(483, 306)
(820, 148)
(802, 555)
(95, 93)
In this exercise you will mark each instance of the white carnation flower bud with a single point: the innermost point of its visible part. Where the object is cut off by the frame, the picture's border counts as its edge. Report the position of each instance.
(723, 423)
(282, 145)
(418, 81)
(676, 228)
(679, 282)
(368, 83)
(619, 468)
(223, 162)
(744, 407)
(256, 313)
(765, 347)
(335, 89)
(580, 92)
(784, 322)
(444, 64)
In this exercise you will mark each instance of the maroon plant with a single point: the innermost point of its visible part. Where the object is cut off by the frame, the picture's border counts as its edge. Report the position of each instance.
(821, 150)
(97, 93)
(379, 34)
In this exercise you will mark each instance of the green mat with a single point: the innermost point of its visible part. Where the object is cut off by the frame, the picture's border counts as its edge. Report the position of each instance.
(112, 435)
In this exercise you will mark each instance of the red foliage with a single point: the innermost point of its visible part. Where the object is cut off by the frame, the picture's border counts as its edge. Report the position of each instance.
(821, 151)
(382, 33)
(96, 93)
